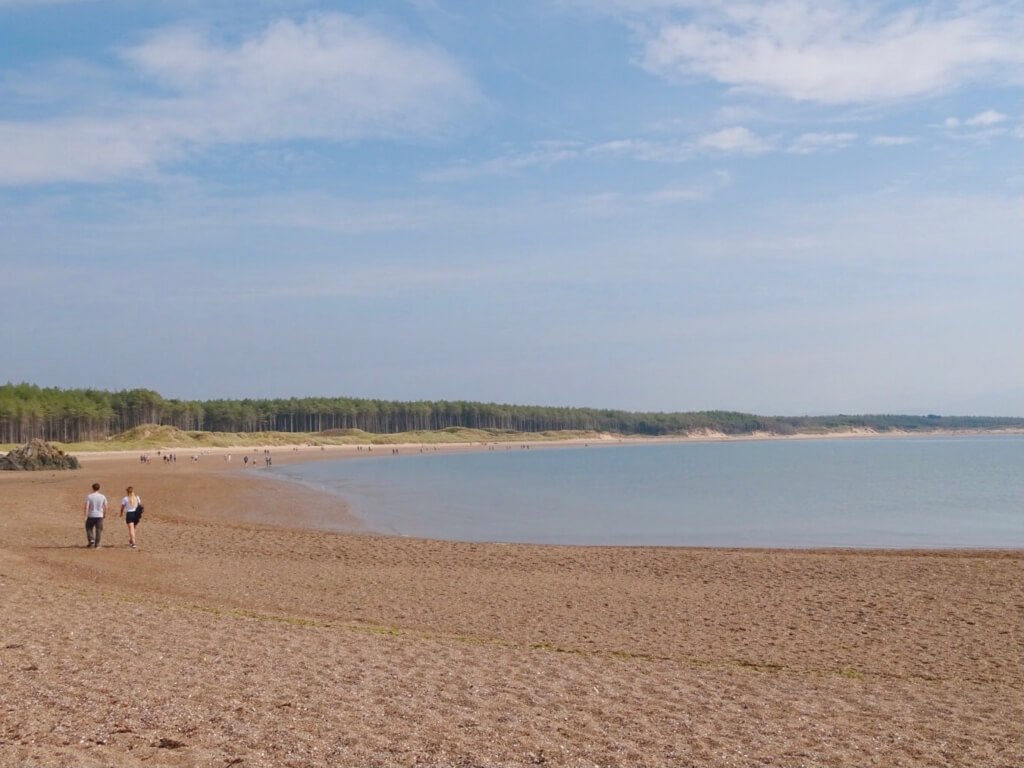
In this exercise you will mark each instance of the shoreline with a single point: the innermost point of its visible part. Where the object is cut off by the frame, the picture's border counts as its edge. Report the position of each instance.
(285, 451)
(235, 636)
(282, 450)
(215, 460)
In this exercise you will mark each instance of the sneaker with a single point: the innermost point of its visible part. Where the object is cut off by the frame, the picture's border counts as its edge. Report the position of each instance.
(132, 546)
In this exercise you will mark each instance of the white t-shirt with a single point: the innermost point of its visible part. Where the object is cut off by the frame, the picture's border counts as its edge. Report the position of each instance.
(96, 502)
(126, 505)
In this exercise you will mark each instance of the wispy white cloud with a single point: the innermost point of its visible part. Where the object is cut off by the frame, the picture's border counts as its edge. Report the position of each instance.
(988, 117)
(983, 126)
(645, 150)
(892, 141)
(80, 150)
(735, 139)
(694, 191)
(840, 51)
(545, 155)
(330, 77)
(984, 119)
(808, 143)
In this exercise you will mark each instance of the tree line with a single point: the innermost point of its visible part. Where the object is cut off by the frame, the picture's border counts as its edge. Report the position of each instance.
(79, 415)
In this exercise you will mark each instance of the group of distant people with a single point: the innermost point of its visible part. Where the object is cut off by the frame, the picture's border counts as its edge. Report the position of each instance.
(96, 510)
(268, 460)
(169, 458)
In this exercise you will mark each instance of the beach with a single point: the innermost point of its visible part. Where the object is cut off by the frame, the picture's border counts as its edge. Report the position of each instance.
(237, 634)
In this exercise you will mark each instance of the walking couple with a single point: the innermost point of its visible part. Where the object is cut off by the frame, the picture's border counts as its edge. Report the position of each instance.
(96, 510)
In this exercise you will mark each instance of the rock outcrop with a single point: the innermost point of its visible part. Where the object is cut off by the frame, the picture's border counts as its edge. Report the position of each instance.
(37, 455)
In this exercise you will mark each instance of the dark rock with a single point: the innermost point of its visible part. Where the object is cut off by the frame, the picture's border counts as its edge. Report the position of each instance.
(36, 455)
(169, 744)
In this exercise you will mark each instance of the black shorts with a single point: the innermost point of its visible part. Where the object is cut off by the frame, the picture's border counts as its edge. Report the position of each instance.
(132, 517)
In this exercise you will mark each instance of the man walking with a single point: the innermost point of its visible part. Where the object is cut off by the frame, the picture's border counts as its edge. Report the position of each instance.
(95, 509)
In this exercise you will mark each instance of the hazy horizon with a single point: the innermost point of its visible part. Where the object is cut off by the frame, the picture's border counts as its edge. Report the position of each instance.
(643, 205)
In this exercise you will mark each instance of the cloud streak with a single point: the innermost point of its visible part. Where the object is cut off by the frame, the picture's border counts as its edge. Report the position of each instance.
(809, 143)
(735, 139)
(986, 118)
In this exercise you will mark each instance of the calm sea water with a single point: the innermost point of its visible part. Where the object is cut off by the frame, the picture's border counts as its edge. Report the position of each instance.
(898, 492)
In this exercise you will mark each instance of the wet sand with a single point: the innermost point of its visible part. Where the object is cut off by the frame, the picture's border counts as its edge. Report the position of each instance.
(234, 636)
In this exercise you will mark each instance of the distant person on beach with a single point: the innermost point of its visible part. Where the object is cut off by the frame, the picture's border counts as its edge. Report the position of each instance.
(131, 508)
(95, 509)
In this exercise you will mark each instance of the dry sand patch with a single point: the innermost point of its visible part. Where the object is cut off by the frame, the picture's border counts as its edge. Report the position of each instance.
(226, 640)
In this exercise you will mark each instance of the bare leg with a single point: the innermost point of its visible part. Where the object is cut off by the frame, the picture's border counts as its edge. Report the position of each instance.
(131, 534)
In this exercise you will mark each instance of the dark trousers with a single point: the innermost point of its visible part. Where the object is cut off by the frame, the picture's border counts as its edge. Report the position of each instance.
(94, 529)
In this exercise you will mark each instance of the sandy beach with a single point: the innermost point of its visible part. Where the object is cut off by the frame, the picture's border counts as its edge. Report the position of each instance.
(237, 636)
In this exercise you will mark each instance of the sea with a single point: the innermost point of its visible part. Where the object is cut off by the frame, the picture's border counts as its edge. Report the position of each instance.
(891, 492)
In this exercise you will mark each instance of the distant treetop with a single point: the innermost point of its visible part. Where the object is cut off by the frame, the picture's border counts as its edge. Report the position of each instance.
(77, 415)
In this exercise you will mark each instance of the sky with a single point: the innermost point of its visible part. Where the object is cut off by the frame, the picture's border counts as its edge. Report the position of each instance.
(786, 208)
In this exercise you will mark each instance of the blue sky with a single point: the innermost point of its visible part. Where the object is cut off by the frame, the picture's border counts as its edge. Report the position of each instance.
(782, 207)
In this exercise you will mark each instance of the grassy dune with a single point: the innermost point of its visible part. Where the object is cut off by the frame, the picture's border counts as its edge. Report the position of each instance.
(155, 437)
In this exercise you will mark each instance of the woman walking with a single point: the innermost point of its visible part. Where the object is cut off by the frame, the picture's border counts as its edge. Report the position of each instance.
(131, 508)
